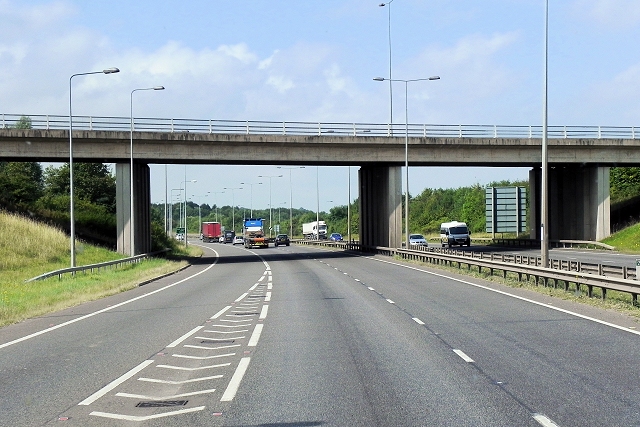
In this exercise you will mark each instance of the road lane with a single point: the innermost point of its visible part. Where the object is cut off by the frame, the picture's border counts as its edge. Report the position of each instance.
(306, 336)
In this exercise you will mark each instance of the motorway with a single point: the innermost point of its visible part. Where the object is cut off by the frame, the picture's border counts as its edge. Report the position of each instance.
(302, 336)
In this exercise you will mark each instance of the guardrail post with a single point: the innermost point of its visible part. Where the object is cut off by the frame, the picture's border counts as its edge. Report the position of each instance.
(284, 128)
(599, 132)
(247, 127)
(633, 132)
(319, 129)
(495, 131)
(172, 128)
(210, 127)
(90, 123)
(354, 130)
(530, 132)
(460, 128)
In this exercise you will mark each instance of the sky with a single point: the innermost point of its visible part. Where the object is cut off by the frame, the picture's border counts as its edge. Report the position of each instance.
(304, 60)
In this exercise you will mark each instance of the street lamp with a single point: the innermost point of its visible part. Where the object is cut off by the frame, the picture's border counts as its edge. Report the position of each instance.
(233, 206)
(390, 76)
(544, 232)
(290, 197)
(215, 201)
(270, 176)
(72, 226)
(186, 234)
(173, 199)
(200, 209)
(131, 220)
(406, 142)
(251, 194)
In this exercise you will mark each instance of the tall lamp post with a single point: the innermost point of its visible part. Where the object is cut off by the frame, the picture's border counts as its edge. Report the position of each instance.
(131, 219)
(215, 201)
(390, 76)
(406, 142)
(290, 197)
(72, 226)
(233, 206)
(270, 210)
(251, 184)
(200, 208)
(173, 200)
(544, 232)
(186, 234)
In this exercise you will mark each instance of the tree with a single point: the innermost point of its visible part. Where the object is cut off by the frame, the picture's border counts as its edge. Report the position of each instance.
(93, 182)
(21, 183)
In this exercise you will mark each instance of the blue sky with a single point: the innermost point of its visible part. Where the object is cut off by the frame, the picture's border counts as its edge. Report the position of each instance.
(314, 61)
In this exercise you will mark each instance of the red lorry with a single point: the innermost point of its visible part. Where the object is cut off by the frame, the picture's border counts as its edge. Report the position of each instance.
(211, 231)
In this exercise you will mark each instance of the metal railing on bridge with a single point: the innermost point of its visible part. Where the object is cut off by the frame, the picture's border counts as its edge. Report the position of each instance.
(149, 124)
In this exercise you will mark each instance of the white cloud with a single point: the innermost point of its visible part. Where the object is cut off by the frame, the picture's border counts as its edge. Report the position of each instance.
(614, 14)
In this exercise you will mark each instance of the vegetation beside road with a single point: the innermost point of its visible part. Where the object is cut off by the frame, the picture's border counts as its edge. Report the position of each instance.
(28, 249)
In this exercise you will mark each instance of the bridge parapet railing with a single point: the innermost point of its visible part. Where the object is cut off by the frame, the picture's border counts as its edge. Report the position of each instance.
(39, 121)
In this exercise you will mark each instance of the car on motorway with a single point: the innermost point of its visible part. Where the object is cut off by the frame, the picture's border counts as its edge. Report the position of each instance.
(417, 239)
(281, 239)
(335, 237)
(238, 240)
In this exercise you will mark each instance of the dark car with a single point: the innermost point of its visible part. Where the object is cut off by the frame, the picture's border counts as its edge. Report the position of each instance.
(336, 237)
(282, 239)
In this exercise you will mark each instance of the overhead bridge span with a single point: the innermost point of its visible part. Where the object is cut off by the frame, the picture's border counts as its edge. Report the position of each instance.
(579, 160)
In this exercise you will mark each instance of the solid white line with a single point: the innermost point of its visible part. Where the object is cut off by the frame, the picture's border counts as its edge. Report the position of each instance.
(541, 304)
(153, 380)
(184, 356)
(145, 418)
(267, 298)
(115, 383)
(95, 313)
(231, 326)
(263, 312)
(253, 287)
(241, 297)
(236, 379)
(181, 368)
(220, 339)
(220, 313)
(463, 356)
(544, 420)
(268, 271)
(255, 336)
(185, 336)
(200, 347)
(175, 396)
(418, 321)
(261, 279)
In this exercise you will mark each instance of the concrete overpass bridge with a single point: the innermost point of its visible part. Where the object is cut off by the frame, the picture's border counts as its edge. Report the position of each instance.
(579, 160)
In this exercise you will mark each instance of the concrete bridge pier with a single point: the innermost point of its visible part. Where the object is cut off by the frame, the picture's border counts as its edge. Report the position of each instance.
(141, 204)
(380, 206)
(579, 203)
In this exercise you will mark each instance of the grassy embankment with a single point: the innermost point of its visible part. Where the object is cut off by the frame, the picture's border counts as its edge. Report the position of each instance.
(28, 249)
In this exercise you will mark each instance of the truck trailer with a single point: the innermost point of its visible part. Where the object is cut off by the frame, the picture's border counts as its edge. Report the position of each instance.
(211, 232)
(313, 232)
(254, 233)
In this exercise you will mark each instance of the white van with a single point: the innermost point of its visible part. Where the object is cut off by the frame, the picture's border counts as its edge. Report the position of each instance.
(455, 233)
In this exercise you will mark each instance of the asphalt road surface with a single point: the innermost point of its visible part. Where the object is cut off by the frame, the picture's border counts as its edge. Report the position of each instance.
(300, 336)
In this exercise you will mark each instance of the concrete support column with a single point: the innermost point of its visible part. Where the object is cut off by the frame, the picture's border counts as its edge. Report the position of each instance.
(141, 204)
(579, 203)
(380, 206)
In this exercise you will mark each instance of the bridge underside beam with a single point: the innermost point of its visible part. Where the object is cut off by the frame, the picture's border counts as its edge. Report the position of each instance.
(380, 206)
(141, 204)
(579, 203)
